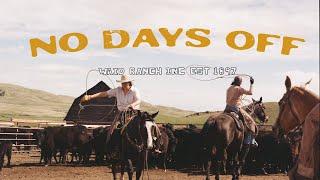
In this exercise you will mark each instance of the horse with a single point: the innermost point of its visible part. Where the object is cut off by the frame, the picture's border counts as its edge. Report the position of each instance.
(222, 134)
(131, 144)
(295, 108)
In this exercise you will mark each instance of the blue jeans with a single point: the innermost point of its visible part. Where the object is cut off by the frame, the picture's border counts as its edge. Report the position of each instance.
(249, 137)
(230, 108)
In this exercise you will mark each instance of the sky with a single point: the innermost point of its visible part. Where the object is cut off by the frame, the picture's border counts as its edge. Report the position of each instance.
(65, 73)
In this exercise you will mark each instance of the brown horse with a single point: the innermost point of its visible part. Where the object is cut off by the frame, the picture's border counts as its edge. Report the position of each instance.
(221, 134)
(295, 105)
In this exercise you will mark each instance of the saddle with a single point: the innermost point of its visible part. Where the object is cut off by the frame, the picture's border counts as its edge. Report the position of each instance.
(237, 120)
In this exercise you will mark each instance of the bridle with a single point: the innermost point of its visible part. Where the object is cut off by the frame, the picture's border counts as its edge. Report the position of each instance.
(282, 103)
(251, 109)
(286, 100)
(130, 118)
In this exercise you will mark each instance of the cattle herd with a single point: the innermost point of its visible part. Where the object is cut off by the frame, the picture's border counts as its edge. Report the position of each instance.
(181, 148)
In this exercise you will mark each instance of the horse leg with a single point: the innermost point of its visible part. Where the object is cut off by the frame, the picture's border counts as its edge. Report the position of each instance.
(208, 168)
(140, 164)
(243, 154)
(122, 168)
(233, 164)
(130, 169)
(114, 171)
(223, 167)
(164, 158)
(220, 159)
(207, 160)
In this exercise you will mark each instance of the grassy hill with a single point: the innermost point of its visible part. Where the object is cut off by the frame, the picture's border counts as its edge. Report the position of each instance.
(24, 103)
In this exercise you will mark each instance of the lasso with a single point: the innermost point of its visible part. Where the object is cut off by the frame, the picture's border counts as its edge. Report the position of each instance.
(82, 107)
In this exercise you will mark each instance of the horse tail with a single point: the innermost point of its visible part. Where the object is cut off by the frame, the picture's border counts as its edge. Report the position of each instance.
(207, 140)
(206, 127)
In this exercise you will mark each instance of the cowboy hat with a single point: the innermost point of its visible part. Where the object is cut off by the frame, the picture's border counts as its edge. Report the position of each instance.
(125, 78)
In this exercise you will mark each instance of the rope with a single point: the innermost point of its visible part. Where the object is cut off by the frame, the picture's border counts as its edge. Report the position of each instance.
(82, 107)
(219, 77)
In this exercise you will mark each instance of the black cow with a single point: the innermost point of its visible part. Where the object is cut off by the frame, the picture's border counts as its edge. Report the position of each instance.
(271, 156)
(100, 143)
(41, 143)
(189, 149)
(67, 139)
(5, 150)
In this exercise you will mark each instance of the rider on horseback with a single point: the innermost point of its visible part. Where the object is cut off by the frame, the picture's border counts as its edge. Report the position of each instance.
(234, 94)
(128, 100)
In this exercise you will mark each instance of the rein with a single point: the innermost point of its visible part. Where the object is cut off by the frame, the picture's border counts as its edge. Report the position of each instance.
(298, 127)
(291, 107)
(138, 147)
(124, 132)
(294, 113)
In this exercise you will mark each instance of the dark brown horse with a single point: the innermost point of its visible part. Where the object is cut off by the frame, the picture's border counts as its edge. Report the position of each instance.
(132, 143)
(221, 135)
(295, 108)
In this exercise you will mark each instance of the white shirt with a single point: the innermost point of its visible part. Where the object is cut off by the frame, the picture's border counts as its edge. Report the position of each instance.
(124, 100)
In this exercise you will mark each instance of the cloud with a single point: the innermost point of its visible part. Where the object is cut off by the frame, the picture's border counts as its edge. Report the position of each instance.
(64, 73)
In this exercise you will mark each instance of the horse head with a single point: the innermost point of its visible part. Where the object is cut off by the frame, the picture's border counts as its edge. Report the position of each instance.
(294, 105)
(257, 109)
(142, 129)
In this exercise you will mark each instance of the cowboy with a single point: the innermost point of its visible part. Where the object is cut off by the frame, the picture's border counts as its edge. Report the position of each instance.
(234, 95)
(127, 95)
(128, 99)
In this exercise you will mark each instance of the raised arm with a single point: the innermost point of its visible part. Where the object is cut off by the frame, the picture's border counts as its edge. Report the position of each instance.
(250, 91)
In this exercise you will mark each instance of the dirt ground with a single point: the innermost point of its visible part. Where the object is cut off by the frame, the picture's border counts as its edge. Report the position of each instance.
(26, 167)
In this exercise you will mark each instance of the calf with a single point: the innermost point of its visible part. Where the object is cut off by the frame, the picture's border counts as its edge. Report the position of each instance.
(100, 143)
(67, 139)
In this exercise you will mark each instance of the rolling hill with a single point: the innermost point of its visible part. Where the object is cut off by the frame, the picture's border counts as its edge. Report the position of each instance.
(24, 103)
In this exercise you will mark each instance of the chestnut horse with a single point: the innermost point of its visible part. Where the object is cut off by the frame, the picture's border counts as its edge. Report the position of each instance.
(220, 135)
(294, 107)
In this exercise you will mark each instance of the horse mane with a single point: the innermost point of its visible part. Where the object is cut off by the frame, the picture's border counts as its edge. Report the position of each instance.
(304, 91)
